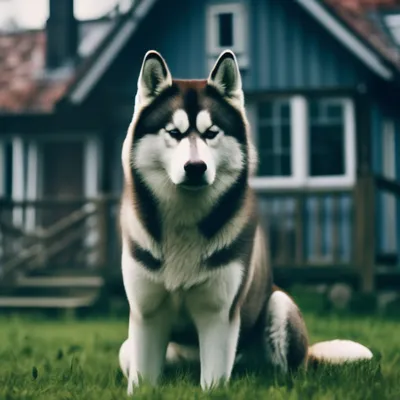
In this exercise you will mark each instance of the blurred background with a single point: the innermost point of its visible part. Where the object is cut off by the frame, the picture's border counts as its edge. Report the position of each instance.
(321, 80)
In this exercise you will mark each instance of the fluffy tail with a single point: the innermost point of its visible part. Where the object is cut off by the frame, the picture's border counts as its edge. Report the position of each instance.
(336, 352)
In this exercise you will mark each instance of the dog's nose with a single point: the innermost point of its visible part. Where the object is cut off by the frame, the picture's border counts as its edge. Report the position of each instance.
(195, 169)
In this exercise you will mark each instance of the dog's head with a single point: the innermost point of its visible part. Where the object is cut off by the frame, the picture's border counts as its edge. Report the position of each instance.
(188, 133)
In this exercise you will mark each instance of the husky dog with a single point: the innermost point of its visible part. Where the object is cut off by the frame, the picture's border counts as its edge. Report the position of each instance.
(195, 261)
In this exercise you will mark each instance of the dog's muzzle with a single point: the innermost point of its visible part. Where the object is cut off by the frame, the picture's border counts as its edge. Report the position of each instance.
(195, 176)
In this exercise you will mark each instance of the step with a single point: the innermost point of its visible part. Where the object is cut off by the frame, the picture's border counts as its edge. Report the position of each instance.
(46, 302)
(60, 282)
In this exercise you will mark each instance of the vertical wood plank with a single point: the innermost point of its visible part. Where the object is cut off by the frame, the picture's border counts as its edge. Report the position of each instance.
(282, 233)
(318, 227)
(299, 244)
(335, 227)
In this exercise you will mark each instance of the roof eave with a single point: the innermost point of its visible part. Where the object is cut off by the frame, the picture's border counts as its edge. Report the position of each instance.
(364, 53)
(88, 80)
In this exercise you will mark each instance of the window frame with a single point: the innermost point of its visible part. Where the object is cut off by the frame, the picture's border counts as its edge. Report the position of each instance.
(300, 152)
(240, 32)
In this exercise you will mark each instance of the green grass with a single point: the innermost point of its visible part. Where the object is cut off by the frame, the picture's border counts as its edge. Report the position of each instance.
(42, 359)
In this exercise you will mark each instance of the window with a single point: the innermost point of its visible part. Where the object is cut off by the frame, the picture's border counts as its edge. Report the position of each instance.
(304, 142)
(227, 29)
(274, 140)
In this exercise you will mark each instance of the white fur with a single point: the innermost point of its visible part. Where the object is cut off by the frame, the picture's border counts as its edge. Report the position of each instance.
(153, 313)
(176, 163)
(279, 307)
(340, 351)
(203, 121)
(181, 120)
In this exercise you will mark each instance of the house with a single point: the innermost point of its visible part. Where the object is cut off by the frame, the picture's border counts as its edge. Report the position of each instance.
(321, 80)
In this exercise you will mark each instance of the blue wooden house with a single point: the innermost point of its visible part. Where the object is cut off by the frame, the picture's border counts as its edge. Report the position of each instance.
(321, 80)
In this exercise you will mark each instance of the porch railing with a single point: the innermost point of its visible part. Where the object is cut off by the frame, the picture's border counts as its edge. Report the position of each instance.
(68, 233)
(314, 229)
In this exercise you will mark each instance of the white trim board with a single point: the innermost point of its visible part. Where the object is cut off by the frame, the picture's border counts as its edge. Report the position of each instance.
(108, 55)
(347, 38)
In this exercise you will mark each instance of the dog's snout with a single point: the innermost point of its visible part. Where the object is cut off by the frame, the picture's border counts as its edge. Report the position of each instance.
(195, 171)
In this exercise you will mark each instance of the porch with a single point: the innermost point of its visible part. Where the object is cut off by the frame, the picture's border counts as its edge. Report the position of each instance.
(317, 236)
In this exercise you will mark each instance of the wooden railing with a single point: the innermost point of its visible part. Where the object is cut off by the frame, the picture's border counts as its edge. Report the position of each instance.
(77, 238)
(315, 229)
(305, 226)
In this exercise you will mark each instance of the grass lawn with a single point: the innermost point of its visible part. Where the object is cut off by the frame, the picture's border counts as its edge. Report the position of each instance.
(42, 359)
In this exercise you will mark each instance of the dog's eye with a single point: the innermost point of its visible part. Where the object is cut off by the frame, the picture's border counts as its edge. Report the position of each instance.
(175, 133)
(210, 133)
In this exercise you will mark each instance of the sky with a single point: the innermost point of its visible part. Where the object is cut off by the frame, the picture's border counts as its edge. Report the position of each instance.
(33, 13)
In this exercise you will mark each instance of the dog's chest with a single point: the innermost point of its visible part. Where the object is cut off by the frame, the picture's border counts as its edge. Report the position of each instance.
(183, 251)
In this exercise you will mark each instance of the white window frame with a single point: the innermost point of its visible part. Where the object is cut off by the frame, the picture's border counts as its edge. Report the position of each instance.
(240, 32)
(300, 131)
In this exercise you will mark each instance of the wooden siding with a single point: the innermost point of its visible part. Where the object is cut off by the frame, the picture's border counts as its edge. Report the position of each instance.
(288, 49)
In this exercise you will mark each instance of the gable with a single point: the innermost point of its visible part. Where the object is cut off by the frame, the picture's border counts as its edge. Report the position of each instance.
(291, 50)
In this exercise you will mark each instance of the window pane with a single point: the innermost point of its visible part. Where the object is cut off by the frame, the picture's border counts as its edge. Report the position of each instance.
(286, 167)
(266, 138)
(266, 164)
(225, 23)
(285, 111)
(334, 111)
(265, 110)
(326, 150)
(326, 138)
(285, 137)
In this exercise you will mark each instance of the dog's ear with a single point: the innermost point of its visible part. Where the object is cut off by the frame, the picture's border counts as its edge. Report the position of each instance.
(154, 77)
(225, 77)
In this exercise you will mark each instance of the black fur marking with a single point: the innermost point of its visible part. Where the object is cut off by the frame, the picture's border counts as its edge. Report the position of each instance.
(225, 116)
(147, 207)
(157, 114)
(151, 119)
(240, 249)
(144, 257)
(191, 104)
(228, 204)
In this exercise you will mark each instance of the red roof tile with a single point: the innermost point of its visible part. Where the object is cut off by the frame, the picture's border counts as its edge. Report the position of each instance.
(22, 60)
(363, 17)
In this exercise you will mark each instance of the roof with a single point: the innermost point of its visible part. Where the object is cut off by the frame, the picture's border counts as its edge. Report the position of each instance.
(364, 18)
(25, 87)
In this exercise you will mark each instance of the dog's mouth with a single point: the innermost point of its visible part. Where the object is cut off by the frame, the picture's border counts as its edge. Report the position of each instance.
(193, 187)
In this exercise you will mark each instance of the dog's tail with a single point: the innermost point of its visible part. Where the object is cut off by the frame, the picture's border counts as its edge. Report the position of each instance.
(335, 352)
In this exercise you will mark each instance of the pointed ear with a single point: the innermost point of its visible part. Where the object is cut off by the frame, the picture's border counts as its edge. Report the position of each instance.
(225, 77)
(154, 77)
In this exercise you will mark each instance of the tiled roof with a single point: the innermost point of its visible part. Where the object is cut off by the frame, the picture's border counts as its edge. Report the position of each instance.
(24, 85)
(364, 17)
(22, 58)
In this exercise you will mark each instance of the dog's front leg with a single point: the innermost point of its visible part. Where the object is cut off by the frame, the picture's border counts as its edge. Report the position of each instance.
(218, 337)
(210, 306)
(149, 326)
